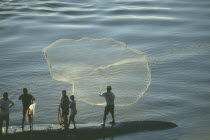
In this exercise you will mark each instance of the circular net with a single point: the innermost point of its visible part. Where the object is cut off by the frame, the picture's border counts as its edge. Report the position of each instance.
(90, 65)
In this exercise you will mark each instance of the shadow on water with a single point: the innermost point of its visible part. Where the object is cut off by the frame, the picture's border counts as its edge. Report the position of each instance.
(95, 132)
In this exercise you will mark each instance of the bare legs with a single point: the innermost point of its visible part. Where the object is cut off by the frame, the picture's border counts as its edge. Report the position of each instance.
(104, 120)
(7, 125)
(108, 108)
(25, 111)
(65, 119)
(71, 119)
(1, 124)
(113, 120)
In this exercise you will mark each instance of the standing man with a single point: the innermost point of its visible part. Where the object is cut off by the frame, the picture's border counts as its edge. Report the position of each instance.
(64, 104)
(109, 96)
(5, 104)
(27, 100)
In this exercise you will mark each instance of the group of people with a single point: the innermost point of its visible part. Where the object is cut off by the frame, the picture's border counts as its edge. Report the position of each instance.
(65, 104)
(6, 103)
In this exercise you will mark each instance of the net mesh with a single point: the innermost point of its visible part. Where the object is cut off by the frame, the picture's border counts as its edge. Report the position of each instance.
(90, 65)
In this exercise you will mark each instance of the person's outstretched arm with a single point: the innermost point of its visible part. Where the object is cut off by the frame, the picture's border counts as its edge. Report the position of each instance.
(100, 94)
(20, 97)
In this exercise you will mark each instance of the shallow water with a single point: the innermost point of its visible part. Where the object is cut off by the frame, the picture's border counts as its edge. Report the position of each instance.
(174, 34)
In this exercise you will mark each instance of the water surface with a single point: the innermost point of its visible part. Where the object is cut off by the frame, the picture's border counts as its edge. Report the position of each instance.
(173, 33)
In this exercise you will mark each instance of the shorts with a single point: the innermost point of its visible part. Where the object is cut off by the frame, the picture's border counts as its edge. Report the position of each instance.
(109, 108)
(65, 112)
(73, 112)
(4, 118)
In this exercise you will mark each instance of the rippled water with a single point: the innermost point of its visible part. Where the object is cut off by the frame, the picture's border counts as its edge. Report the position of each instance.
(173, 33)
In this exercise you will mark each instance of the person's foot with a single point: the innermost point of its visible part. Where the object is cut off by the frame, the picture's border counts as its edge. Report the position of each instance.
(22, 127)
(103, 125)
(31, 128)
(112, 122)
(66, 128)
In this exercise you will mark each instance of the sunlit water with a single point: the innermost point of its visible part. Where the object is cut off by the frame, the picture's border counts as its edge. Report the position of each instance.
(173, 33)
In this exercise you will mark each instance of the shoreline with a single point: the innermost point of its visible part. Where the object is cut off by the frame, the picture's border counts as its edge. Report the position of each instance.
(92, 132)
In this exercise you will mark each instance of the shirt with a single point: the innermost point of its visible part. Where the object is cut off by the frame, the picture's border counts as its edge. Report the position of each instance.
(5, 104)
(73, 108)
(109, 96)
(64, 102)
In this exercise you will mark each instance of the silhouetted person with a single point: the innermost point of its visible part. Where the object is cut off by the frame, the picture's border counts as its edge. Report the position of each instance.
(5, 104)
(73, 111)
(64, 104)
(27, 100)
(110, 97)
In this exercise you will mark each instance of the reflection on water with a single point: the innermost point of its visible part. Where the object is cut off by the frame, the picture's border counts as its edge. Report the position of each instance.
(147, 8)
(73, 26)
(173, 33)
(140, 17)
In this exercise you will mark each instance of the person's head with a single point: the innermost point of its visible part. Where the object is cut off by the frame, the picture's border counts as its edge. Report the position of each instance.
(63, 92)
(25, 91)
(109, 88)
(5, 95)
(72, 97)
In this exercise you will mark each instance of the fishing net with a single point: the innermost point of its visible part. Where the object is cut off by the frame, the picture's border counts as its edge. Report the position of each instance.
(90, 65)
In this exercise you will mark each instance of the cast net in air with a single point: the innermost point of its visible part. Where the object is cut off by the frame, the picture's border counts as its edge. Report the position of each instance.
(90, 65)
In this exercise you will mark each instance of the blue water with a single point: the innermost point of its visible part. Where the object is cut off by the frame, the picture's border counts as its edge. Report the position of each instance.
(173, 33)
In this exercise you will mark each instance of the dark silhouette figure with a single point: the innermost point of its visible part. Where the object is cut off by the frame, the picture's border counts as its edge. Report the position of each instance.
(64, 104)
(5, 104)
(27, 100)
(73, 111)
(110, 97)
